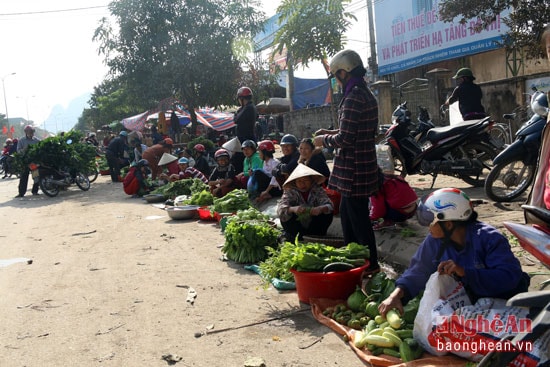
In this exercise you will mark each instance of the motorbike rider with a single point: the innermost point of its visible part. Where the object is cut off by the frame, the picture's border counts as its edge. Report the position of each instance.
(5, 158)
(288, 162)
(468, 94)
(246, 116)
(22, 145)
(459, 245)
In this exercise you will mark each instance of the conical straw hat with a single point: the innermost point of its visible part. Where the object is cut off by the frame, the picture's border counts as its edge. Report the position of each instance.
(233, 145)
(167, 158)
(302, 171)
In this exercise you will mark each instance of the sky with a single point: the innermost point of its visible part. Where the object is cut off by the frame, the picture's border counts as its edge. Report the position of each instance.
(49, 47)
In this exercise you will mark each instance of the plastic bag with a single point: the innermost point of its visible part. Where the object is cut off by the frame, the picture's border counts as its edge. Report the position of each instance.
(384, 158)
(443, 295)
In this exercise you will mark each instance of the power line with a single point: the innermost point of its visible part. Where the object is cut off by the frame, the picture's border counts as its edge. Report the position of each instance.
(53, 11)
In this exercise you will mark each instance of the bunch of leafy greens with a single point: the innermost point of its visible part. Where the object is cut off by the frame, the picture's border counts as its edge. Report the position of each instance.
(247, 242)
(181, 187)
(309, 257)
(232, 202)
(248, 214)
(62, 152)
(203, 198)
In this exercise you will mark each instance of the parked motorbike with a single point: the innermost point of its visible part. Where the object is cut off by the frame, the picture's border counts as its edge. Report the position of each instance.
(51, 179)
(464, 150)
(514, 168)
(423, 125)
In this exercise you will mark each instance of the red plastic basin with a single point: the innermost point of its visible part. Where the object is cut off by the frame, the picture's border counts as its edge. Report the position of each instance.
(332, 285)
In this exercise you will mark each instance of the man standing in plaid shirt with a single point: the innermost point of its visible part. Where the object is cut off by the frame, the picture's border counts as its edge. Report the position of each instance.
(355, 167)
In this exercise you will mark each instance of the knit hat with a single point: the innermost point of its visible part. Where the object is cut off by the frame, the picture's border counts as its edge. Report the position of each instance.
(167, 158)
(303, 171)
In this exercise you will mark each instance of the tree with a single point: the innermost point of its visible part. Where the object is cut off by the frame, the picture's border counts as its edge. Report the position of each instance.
(181, 49)
(313, 30)
(526, 20)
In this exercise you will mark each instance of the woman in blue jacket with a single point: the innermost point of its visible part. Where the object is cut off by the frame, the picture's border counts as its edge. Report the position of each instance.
(459, 245)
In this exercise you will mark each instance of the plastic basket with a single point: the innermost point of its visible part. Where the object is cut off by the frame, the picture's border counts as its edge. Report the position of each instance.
(332, 285)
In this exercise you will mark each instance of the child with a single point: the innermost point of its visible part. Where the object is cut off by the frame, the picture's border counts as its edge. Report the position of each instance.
(394, 202)
(187, 172)
(222, 180)
(305, 208)
(263, 180)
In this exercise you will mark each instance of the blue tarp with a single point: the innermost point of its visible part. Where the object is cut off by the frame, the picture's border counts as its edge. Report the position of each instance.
(310, 93)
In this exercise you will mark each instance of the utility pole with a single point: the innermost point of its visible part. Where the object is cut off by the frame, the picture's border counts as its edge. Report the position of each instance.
(373, 65)
(5, 99)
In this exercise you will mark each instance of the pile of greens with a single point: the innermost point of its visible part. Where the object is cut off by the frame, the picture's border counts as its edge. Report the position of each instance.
(309, 257)
(187, 186)
(248, 241)
(248, 214)
(61, 152)
(202, 198)
(232, 202)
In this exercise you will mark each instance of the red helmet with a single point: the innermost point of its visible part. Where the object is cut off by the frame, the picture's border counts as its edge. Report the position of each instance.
(266, 145)
(199, 148)
(168, 141)
(244, 92)
(28, 128)
(221, 153)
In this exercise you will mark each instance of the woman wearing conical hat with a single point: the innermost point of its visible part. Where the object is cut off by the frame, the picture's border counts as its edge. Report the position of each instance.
(304, 208)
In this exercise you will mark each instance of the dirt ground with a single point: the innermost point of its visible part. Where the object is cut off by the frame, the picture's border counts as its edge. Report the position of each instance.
(110, 277)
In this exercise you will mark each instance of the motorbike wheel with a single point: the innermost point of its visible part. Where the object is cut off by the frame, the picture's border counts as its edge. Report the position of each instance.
(482, 153)
(92, 175)
(508, 180)
(47, 187)
(398, 164)
(82, 181)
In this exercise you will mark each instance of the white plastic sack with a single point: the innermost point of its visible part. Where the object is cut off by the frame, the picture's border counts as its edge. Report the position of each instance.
(447, 322)
(443, 295)
(384, 158)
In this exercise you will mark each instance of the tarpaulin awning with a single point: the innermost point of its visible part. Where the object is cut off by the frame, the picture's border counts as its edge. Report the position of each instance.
(136, 122)
(216, 120)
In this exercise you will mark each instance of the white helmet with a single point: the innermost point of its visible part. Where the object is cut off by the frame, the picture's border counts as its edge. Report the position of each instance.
(345, 60)
(447, 204)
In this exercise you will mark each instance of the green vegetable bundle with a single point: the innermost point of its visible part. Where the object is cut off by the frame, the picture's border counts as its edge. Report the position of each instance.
(64, 152)
(181, 187)
(232, 202)
(247, 242)
(202, 198)
(248, 214)
(309, 257)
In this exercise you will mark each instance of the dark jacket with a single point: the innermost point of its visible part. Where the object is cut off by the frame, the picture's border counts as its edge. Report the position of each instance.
(355, 171)
(245, 119)
(469, 97)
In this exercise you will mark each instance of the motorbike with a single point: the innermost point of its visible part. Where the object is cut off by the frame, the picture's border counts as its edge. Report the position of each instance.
(464, 150)
(51, 179)
(6, 166)
(534, 237)
(418, 130)
(514, 168)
